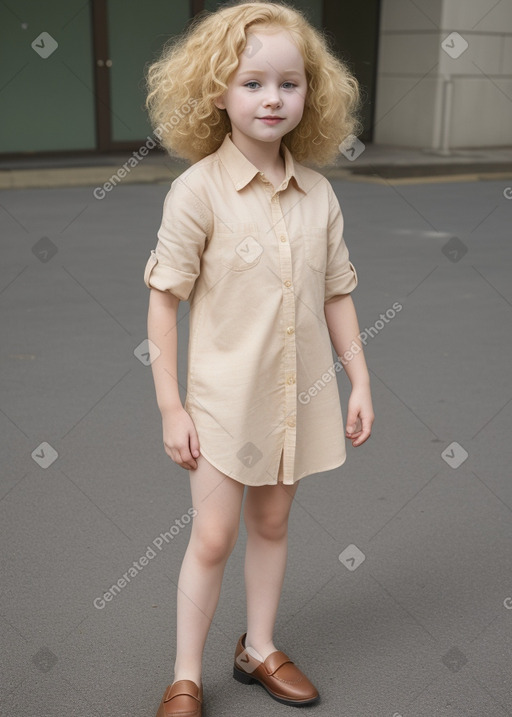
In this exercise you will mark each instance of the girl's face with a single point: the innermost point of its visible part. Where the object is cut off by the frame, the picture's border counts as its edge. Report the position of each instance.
(265, 97)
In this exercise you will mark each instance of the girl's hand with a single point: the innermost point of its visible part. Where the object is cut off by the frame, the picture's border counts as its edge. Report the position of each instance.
(180, 437)
(360, 415)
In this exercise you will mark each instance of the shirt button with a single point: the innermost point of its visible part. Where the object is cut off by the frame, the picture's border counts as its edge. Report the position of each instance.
(291, 422)
(288, 283)
(290, 330)
(291, 379)
(282, 237)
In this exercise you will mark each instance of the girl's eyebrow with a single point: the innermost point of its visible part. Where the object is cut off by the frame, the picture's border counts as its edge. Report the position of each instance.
(263, 72)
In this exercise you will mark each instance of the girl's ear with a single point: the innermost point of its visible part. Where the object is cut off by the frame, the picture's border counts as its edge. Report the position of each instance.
(219, 102)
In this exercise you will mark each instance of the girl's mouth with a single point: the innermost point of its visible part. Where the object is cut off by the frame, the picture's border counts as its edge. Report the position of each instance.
(271, 120)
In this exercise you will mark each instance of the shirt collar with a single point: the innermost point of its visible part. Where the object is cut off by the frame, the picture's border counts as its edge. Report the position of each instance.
(242, 171)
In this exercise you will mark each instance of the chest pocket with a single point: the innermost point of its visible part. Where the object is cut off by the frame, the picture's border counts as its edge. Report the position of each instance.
(315, 247)
(238, 246)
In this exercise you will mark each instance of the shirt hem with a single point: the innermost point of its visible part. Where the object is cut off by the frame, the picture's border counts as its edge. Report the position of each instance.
(216, 465)
(323, 470)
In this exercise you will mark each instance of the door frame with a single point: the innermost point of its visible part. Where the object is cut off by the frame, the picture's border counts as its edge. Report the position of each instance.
(102, 64)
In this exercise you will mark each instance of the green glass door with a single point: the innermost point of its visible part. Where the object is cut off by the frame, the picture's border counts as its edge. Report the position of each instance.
(136, 32)
(72, 72)
(46, 76)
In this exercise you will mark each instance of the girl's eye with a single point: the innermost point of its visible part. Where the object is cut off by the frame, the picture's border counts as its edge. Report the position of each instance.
(253, 84)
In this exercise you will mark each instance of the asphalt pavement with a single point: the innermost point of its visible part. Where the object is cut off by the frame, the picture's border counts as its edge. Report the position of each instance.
(397, 599)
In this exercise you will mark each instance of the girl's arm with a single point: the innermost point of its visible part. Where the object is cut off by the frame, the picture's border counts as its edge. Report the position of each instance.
(343, 328)
(179, 433)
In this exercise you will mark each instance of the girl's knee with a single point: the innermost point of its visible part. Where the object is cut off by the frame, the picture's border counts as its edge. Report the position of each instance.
(269, 524)
(213, 545)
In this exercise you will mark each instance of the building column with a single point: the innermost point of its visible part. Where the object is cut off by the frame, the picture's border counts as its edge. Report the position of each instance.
(444, 78)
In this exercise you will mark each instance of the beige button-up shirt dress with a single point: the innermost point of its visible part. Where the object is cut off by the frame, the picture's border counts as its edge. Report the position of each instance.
(257, 266)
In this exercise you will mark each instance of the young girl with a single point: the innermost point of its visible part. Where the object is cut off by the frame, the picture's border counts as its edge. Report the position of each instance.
(253, 239)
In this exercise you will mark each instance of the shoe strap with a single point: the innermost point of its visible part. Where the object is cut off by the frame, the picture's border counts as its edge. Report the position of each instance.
(182, 687)
(274, 661)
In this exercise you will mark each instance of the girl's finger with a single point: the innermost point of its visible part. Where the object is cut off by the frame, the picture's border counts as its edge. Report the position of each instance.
(363, 435)
(353, 425)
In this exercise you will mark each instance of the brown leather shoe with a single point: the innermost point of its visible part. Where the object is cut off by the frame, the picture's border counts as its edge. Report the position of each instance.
(181, 699)
(277, 674)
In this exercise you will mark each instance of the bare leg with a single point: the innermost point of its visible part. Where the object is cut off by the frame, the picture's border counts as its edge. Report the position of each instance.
(217, 499)
(266, 512)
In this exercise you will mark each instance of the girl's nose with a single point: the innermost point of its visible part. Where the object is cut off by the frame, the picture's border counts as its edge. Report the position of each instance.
(273, 99)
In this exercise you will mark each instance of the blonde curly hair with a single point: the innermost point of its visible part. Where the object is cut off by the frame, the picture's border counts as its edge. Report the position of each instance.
(195, 68)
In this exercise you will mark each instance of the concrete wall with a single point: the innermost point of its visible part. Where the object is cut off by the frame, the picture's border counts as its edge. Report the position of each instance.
(431, 92)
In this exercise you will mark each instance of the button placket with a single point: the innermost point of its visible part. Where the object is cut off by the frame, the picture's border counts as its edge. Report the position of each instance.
(289, 369)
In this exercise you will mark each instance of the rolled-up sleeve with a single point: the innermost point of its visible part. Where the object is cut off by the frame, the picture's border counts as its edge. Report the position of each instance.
(340, 275)
(174, 264)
